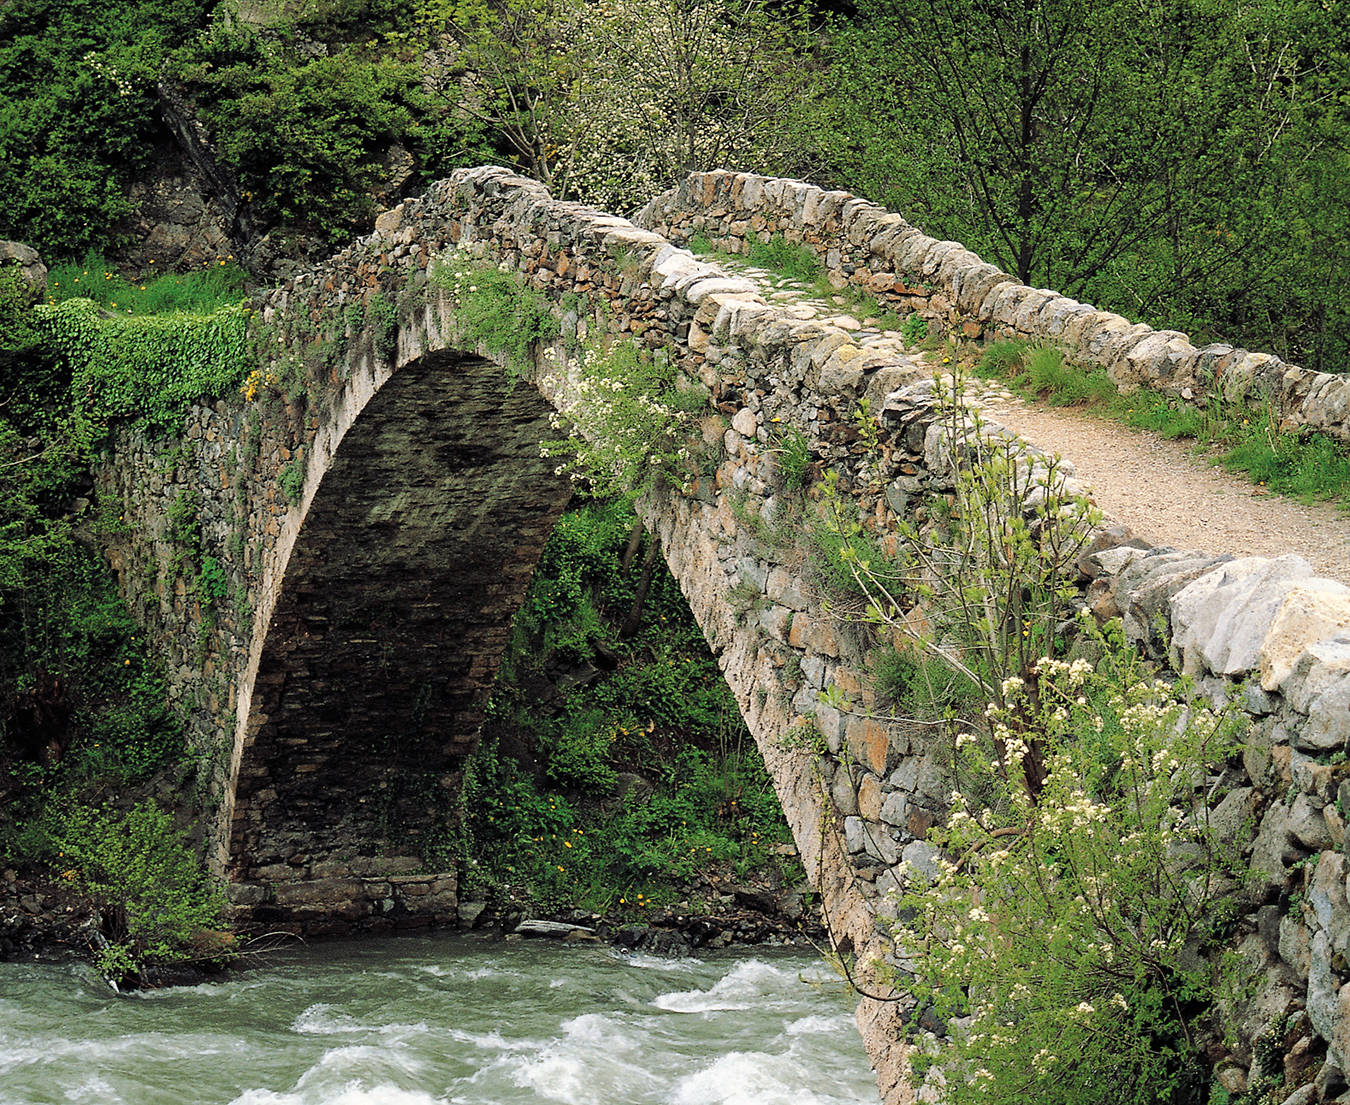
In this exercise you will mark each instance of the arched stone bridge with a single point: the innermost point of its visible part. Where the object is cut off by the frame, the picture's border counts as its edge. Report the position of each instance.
(376, 501)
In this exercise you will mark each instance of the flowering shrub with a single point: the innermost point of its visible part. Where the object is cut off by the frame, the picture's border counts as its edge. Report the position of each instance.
(612, 102)
(494, 309)
(1063, 925)
(629, 422)
(1062, 933)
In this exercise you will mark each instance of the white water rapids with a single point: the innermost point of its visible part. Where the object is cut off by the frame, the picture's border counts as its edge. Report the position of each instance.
(441, 1020)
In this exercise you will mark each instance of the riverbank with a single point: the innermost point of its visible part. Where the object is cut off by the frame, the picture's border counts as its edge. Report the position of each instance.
(46, 919)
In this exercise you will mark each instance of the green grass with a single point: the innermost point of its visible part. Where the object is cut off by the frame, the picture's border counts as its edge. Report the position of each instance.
(219, 283)
(1305, 465)
(800, 264)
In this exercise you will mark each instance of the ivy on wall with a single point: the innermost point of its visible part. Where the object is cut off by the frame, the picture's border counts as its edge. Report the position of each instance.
(148, 369)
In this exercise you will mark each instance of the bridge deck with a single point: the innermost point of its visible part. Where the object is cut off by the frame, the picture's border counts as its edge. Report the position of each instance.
(1156, 486)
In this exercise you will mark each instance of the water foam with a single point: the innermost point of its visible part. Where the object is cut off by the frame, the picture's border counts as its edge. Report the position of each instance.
(743, 987)
(746, 1078)
(352, 1093)
(815, 1024)
(321, 1019)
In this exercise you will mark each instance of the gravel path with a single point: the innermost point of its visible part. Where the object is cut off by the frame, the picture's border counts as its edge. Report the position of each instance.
(1151, 484)
(1170, 497)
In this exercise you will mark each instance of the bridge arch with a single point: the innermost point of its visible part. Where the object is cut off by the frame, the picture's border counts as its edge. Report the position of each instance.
(392, 612)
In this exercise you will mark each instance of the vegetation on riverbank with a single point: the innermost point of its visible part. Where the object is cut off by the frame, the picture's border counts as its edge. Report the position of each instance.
(90, 752)
(615, 773)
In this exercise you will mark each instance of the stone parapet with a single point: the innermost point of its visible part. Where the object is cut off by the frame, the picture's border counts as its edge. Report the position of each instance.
(863, 244)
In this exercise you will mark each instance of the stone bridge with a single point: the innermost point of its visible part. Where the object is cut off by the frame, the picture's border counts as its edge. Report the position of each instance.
(365, 516)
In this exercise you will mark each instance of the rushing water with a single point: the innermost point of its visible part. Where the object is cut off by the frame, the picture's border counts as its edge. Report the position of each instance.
(441, 1019)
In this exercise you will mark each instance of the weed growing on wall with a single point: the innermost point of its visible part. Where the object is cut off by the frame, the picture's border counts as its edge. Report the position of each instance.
(1080, 887)
(494, 308)
(630, 423)
(997, 570)
(292, 481)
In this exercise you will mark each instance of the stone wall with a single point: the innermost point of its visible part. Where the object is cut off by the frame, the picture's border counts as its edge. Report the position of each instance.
(860, 789)
(863, 244)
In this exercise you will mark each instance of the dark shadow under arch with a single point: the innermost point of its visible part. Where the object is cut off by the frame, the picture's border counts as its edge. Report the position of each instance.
(384, 643)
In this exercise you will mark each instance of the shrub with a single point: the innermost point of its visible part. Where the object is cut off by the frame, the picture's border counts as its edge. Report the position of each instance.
(154, 893)
(292, 481)
(631, 423)
(1065, 920)
(495, 310)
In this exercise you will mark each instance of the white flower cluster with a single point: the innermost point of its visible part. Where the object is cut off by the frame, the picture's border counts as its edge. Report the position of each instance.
(103, 69)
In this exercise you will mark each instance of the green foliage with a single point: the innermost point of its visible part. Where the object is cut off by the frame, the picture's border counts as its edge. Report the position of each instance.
(17, 336)
(631, 424)
(1065, 922)
(154, 891)
(915, 329)
(846, 557)
(579, 754)
(78, 112)
(550, 826)
(610, 104)
(292, 481)
(791, 259)
(1178, 164)
(144, 368)
(793, 460)
(1044, 372)
(919, 685)
(212, 585)
(307, 136)
(495, 310)
(383, 318)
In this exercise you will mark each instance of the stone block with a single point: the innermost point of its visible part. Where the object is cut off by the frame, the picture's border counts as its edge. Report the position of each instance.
(1273, 851)
(1319, 686)
(1233, 820)
(869, 797)
(1220, 621)
(1311, 612)
(869, 743)
(318, 893)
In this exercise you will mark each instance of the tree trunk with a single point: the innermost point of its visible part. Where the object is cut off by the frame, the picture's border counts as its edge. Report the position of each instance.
(630, 623)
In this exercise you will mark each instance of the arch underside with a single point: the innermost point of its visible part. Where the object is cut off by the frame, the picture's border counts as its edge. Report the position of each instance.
(387, 634)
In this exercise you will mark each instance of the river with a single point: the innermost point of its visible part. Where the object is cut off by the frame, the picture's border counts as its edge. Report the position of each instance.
(441, 1020)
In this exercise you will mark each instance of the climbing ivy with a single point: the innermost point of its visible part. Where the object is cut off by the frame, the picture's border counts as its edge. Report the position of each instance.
(148, 369)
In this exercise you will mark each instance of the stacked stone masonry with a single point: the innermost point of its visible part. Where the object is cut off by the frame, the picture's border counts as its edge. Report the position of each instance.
(865, 245)
(302, 714)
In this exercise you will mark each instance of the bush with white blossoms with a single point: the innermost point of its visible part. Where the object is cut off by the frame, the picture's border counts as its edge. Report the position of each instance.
(629, 425)
(494, 308)
(1060, 936)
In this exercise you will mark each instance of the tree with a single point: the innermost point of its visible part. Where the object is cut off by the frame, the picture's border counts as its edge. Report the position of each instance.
(612, 102)
(1061, 121)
